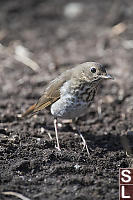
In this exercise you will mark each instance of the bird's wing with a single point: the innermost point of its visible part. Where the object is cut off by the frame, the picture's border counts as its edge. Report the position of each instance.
(51, 94)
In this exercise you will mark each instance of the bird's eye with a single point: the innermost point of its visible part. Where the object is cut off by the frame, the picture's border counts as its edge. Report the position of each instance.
(93, 70)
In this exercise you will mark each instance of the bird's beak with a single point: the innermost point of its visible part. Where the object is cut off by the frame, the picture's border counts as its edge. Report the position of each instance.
(107, 76)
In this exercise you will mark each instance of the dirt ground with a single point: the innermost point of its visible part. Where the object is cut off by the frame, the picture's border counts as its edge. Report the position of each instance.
(39, 39)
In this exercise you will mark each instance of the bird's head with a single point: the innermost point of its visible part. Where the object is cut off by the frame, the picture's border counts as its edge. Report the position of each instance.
(95, 71)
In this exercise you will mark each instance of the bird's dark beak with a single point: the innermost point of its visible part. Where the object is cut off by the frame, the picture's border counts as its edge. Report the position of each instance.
(107, 76)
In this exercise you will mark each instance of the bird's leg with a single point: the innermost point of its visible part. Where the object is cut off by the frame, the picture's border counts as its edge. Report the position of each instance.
(83, 139)
(56, 133)
(84, 142)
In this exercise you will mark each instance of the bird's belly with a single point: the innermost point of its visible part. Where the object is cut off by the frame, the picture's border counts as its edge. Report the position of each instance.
(69, 107)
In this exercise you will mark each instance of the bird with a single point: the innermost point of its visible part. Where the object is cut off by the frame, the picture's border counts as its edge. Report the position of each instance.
(70, 95)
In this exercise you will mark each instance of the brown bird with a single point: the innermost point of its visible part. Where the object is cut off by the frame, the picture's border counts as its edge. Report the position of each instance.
(71, 93)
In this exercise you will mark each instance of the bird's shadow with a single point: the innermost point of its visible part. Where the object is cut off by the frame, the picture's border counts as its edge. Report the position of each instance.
(109, 141)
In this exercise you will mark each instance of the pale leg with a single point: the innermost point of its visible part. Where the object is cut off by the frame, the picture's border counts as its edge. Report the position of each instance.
(84, 142)
(83, 139)
(56, 133)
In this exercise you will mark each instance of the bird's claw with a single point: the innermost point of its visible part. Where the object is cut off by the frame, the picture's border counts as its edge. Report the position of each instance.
(58, 148)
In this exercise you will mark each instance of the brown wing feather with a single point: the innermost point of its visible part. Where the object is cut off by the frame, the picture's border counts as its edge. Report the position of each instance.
(29, 110)
(51, 94)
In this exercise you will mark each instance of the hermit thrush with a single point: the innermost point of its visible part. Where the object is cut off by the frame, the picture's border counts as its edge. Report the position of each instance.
(71, 93)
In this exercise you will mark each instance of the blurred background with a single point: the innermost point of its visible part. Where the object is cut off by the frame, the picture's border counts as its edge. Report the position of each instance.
(39, 39)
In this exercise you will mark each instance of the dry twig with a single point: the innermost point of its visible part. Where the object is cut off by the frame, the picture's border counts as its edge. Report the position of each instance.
(16, 194)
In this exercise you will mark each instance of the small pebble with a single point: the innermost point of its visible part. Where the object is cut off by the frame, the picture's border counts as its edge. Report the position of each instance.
(76, 166)
(42, 130)
(73, 10)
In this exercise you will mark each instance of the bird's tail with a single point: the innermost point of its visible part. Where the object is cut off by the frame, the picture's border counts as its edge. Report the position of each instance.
(30, 110)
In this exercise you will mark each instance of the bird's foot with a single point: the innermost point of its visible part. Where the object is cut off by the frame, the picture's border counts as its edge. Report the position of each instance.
(86, 147)
(58, 148)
